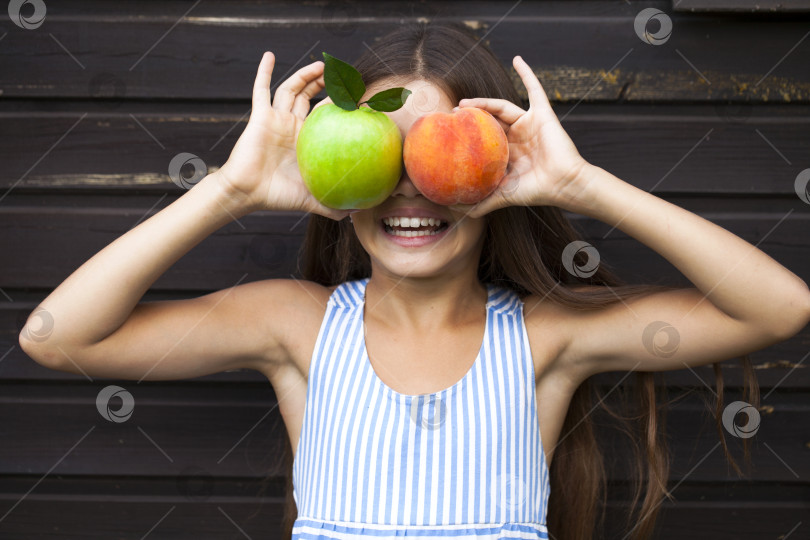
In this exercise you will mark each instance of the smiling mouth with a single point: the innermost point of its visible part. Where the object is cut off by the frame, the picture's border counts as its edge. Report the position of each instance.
(411, 227)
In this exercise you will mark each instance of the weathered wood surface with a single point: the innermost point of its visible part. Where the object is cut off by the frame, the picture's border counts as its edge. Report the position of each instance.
(579, 49)
(741, 6)
(172, 517)
(96, 102)
(714, 148)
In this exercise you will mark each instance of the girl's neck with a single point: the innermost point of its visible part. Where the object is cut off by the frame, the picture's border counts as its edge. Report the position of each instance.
(425, 304)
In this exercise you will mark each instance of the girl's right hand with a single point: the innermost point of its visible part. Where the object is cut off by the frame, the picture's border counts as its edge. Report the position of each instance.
(262, 169)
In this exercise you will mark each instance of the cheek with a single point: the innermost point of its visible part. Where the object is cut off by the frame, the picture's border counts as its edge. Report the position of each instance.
(363, 225)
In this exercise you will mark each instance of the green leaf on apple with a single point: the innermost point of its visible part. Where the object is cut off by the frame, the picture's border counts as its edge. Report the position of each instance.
(345, 87)
(344, 84)
(388, 100)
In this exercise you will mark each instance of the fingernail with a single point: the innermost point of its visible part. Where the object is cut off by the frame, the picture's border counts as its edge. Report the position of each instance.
(353, 211)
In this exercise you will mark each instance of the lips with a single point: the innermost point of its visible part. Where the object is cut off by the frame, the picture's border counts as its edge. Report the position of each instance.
(414, 211)
(413, 227)
(413, 237)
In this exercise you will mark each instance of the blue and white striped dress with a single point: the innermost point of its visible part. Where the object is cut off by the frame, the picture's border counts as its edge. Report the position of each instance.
(465, 462)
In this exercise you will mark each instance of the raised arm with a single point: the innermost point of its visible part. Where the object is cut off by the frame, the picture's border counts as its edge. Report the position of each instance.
(742, 299)
(93, 322)
(96, 328)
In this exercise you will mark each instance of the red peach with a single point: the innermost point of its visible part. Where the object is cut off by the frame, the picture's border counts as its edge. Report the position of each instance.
(456, 158)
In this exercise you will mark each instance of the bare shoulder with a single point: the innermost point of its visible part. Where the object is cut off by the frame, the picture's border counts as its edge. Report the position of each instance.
(551, 327)
(299, 307)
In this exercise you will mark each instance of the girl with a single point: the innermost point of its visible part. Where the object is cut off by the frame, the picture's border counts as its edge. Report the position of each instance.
(426, 382)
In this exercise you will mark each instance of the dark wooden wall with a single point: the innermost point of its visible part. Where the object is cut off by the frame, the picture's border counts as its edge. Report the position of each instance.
(96, 101)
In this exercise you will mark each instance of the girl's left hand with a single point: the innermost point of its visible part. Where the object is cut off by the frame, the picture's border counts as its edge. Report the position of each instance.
(542, 158)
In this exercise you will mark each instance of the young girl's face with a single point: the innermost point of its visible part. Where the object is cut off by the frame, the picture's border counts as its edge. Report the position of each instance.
(452, 243)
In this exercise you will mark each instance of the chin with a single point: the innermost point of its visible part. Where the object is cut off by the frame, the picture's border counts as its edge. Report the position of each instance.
(412, 266)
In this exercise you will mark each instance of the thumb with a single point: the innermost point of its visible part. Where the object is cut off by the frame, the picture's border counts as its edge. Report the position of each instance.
(479, 209)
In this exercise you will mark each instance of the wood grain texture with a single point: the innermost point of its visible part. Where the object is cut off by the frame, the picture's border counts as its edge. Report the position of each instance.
(179, 519)
(741, 6)
(714, 148)
(96, 102)
(579, 50)
(236, 431)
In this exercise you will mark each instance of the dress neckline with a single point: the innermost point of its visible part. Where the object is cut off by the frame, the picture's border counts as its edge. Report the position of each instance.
(440, 393)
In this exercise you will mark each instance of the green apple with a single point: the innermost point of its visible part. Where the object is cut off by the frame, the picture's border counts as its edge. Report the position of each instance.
(349, 158)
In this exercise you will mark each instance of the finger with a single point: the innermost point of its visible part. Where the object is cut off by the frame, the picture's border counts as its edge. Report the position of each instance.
(261, 86)
(286, 93)
(316, 207)
(302, 100)
(503, 110)
(537, 96)
(504, 126)
(499, 198)
(321, 103)
(472, 211)
(465, 211)
(492, 202)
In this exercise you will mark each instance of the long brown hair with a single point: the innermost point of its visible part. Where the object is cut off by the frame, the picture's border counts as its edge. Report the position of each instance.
(522, 250)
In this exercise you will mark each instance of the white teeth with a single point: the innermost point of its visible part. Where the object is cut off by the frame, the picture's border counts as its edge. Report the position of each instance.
(411, 234)
(412, 222)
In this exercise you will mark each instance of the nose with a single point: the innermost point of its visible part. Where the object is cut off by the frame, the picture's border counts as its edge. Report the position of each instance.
(405, 187)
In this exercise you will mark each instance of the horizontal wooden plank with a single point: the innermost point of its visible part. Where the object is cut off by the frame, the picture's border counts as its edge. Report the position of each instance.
(50, 243)
(582, 50)
(701, 511)
(89, 520)
(230, 430)
(154, 518)
(741, 6)
(259, 245)
(226, 430)
(675, 149)
(195, 485)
